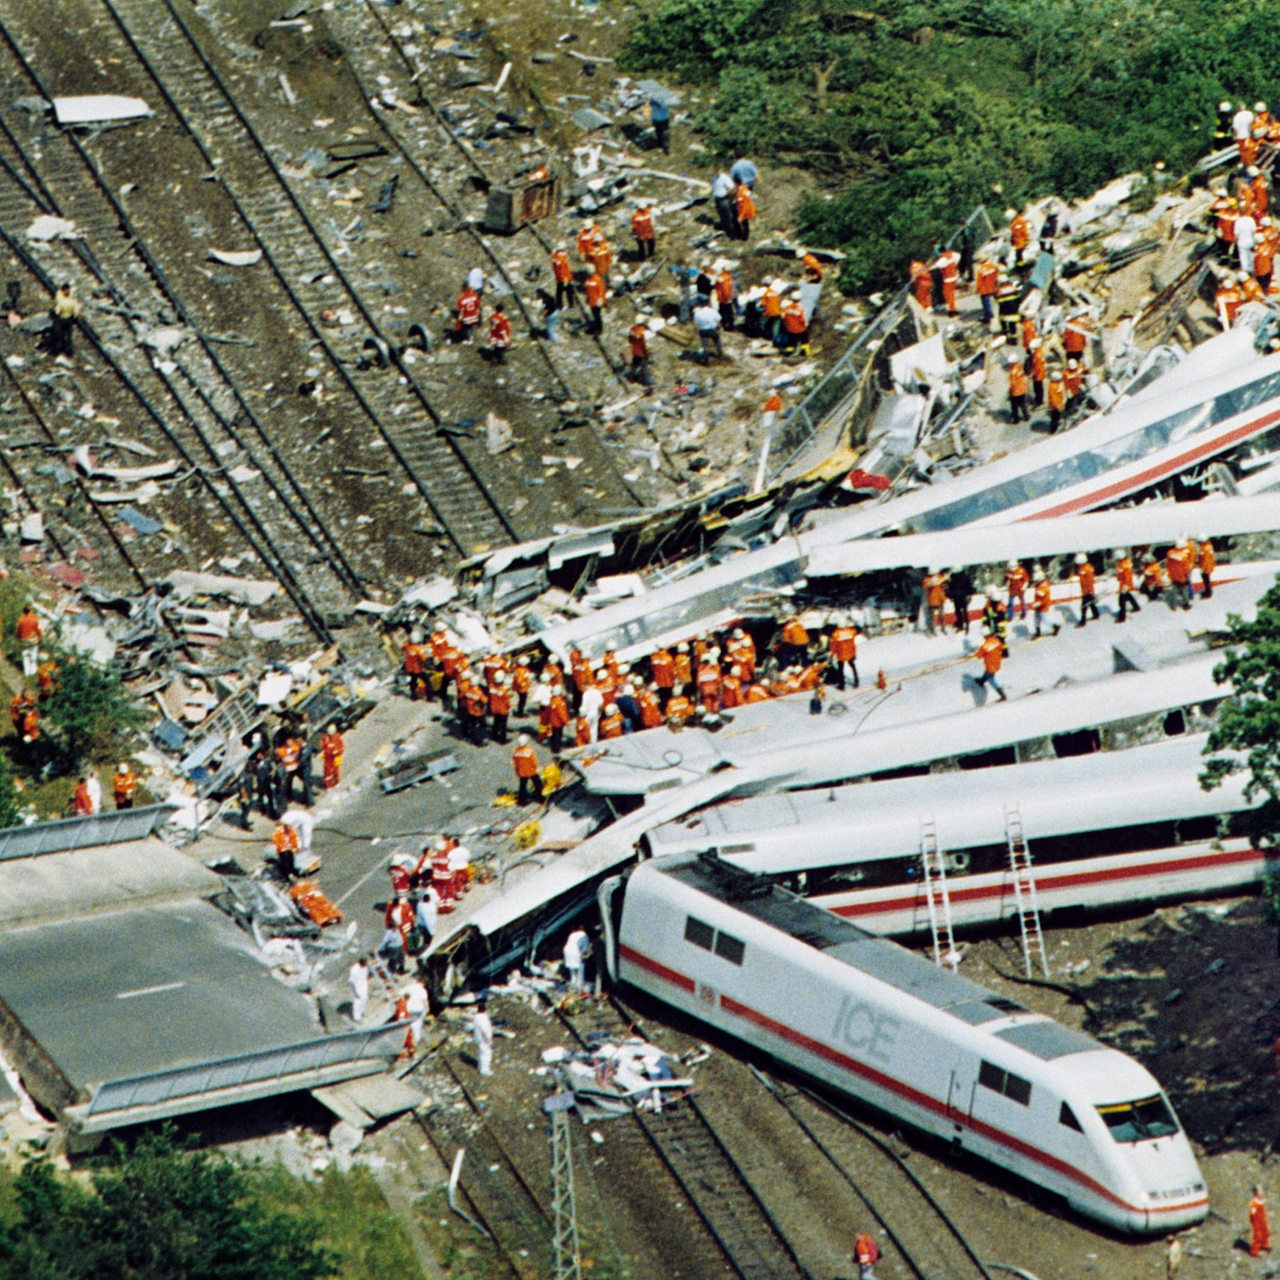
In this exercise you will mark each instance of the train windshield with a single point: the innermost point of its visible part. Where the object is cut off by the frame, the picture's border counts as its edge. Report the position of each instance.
(1136, 1121)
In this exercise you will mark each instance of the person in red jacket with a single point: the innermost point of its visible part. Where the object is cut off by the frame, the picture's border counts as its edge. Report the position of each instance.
(1208, 563)
(499, 335)
(638, 346)
(866, 1253)
(468, 314)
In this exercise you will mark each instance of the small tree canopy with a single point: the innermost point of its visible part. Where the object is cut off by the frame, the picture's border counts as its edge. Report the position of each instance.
(159, 1212)
(1249, 720)
(91, 712)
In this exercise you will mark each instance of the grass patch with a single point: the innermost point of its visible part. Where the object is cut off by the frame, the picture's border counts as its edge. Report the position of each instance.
(352, 1217)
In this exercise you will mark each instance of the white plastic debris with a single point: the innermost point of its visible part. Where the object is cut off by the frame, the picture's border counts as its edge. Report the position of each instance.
(236, 257)
(98, 108)
(48, 227)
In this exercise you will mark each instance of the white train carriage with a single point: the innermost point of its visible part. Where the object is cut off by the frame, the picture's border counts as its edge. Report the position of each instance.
(866, 1017)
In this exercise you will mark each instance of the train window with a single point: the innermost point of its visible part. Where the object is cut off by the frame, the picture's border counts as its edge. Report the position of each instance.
(1134, 1121)
(1068, 1117)
(998, 1080)
(730, 949)
(700, 934)
(1018, 1089)
(991, 1077)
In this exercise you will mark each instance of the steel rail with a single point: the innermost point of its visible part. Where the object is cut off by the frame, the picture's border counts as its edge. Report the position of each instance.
(144, 15)
(735, 1215)
(261, 542)
(417, 71)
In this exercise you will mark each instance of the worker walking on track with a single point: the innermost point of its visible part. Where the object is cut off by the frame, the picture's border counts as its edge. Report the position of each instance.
(524, 759)
(866, 1253)
(990, 653)
(562, 271)
(499, 335)
(482, 1032)
(596, 291)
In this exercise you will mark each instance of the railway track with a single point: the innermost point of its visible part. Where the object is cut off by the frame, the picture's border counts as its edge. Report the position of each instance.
(185, 403)
(161, 39)
(687, 1142)
(378, 51)
(925, 1235)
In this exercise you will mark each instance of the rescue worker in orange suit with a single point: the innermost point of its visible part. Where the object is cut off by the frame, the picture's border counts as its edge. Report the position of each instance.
(415, 667)
(1084, 575)
(843, 646)
(795, 328)
(1019, 235)
(468, 314)
(474, 704)
(1152, 578)
(744, 208)
(642, 230)
(47, 679)
(1075, 339)
(771, 311)
(921, 284)
(332, 746)
(1208, 563)
(1039, 368)
(708, 684)
(1177, 564)
(731, 689)
(679, 709)
(1259, 1225)
(638, 345)
(986, 280)
(588, 236)
(990, 653)
(683, 666)
(499, 335)
(524, 759)
(1018, 411)
(1042, 600)
(499, 706)
(595, 288)
(813, 271)
(948, 268)
(552, 720)
(124, 785)
(1073, 380)
(1227, 300)
(284, 840)
(662, 671)
(18, 708)
(1056, 398)
(610, 722)
(1015, 581)
(650, 710)
(726, 294)
(866, 1253)
(562, 271)
(793, 650)
(521, 684)
(1264, 255)
(934, 588)
(1124, 586)
(602, 257)
(742, 651)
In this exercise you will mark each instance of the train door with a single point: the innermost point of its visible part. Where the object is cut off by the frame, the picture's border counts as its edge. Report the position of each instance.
(961, 1086)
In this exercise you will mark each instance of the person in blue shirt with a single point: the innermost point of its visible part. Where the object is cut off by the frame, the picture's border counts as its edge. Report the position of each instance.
(722, 193)
(660, 118)
(744, 171)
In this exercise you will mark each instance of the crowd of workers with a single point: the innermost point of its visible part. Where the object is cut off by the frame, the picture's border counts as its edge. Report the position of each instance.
(710, 295)
(1048, 359)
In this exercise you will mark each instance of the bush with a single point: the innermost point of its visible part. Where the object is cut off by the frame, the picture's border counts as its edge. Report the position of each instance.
(89, 715)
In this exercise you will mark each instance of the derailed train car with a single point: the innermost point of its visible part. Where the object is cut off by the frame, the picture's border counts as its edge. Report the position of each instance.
(870, 1019)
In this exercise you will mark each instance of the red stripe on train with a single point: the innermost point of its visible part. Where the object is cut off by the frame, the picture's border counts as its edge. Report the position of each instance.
(910, 1094)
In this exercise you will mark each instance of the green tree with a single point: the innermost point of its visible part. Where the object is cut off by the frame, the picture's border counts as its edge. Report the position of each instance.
(10, 805)
(159, 1212)
(1248, 726)
(90, 713)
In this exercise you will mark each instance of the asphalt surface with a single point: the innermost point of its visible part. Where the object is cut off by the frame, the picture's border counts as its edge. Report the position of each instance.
(145, 989)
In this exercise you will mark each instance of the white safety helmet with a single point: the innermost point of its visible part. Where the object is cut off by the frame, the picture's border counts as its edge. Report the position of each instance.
(1119, 553)
(1081, 557)
(521, 741)
(1013, 564)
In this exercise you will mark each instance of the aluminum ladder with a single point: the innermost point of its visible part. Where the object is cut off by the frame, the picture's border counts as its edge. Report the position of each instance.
(936, 896)
(1024, 892)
